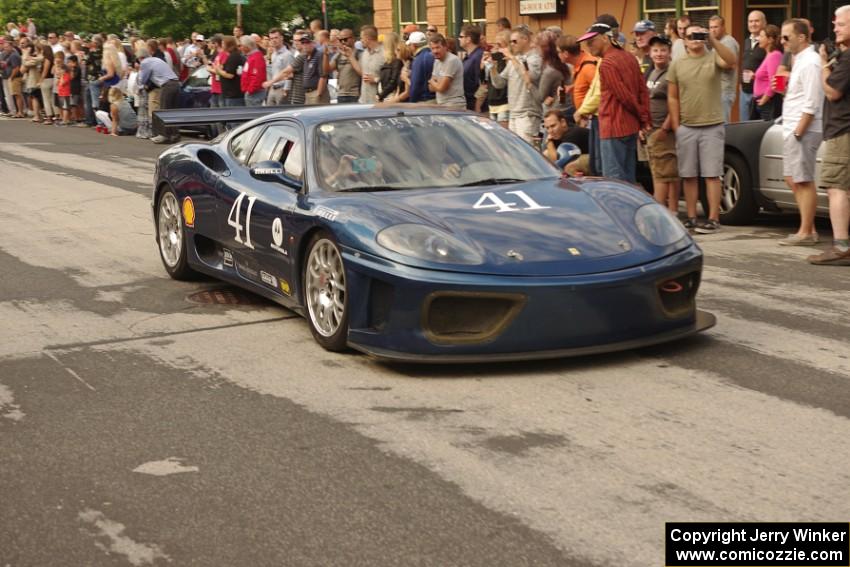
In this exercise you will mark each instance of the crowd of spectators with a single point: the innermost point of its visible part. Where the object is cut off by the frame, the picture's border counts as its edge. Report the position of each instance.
(659, 98)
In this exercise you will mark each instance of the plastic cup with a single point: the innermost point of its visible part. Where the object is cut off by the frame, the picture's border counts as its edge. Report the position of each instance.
(781, 83)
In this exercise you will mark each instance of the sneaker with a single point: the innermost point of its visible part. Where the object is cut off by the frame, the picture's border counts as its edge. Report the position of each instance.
(708, 227)
(690, 224)
(832, 257)
(797, 240)
(160, 140)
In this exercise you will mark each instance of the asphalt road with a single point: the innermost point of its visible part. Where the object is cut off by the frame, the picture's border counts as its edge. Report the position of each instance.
(141, 426)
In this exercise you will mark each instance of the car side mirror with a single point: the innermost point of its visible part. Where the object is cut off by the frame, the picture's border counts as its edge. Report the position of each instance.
(273, 172)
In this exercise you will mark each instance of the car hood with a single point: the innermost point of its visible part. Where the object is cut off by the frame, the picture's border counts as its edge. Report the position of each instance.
(547, 227)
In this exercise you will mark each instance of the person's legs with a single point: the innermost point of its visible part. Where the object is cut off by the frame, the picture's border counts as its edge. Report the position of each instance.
(691, 195)
(728, 101)
(103, 119)
(344, 99)
(94, 99)
(594, 149)
(744, 103)
(255, 99)
(839, 214)
(807, 200)
(47, 98)
(619, 158)
(711, 140)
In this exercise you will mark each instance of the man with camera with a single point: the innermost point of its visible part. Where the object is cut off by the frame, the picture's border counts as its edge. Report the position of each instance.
(521, 75)
(696, 116)
(835, 169)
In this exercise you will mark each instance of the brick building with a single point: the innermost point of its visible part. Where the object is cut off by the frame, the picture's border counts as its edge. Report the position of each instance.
(573, 16)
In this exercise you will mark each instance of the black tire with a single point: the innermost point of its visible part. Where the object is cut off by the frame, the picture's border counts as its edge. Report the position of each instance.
(329, 327)
(737, 207)
(171, 220)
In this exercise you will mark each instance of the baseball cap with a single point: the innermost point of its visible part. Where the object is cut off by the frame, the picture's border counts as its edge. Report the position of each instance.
(567, 153)
(417, 38)
(660, 39)
(594, 30)
(410, 28)
(308, 37)
(199, 37)
(644, 26)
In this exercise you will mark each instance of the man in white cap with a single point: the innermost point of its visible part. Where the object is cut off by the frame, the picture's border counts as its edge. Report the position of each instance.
(644, 31)
(421, 68)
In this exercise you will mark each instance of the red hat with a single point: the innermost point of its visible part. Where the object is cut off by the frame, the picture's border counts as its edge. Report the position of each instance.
(410, 28)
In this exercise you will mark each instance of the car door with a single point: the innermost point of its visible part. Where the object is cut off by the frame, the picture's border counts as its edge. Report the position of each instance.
(257, 216)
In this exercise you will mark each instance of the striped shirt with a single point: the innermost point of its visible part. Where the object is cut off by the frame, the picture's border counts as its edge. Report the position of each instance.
(624, 107)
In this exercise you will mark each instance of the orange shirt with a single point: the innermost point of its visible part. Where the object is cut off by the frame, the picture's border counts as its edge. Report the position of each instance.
(583, 72)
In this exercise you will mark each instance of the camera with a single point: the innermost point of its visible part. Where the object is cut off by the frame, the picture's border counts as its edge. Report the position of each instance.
(497, 56)
(699, 36)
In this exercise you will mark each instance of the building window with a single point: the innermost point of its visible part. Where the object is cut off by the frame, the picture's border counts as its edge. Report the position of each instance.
(478, 10)
(412, 12)
(775, 12)
(701, 10)
(659, 11)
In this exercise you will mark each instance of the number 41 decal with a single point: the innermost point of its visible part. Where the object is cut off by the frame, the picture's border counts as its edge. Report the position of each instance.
(233, 219)
(503, 207)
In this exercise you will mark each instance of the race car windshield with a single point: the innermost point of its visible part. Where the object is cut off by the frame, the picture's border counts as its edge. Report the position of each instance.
(412, 152)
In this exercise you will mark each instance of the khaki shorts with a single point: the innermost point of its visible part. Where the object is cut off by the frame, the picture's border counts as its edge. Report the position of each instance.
(662, 157)
(835, 169)
(16, 85)
(700, 150)
(798, 156)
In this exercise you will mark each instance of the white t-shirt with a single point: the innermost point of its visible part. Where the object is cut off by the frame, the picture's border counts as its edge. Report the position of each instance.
(450, 66)
(804, 94)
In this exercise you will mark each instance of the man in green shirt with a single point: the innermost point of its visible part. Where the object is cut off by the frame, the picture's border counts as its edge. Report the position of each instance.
(696, 115)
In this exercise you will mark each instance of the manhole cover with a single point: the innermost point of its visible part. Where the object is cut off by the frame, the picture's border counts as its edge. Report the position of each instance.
(225, 296)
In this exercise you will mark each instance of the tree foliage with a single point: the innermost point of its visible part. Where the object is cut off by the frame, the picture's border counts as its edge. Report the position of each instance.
(178, 18)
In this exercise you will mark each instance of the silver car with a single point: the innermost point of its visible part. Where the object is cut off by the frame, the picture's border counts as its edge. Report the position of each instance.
(752, 179)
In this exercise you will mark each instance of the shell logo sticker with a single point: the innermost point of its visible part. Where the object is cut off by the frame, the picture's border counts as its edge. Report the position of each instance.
(284, 287)
(574, 251)
(189, 212)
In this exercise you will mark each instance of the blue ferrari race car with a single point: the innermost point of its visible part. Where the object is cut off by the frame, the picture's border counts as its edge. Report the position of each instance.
(421, 234)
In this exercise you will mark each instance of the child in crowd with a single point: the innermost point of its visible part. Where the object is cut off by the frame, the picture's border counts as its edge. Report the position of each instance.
(73, 64)
(63, 78)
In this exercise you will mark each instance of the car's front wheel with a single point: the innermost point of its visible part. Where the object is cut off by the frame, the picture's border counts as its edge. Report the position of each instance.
(325, 292)
(171, 236)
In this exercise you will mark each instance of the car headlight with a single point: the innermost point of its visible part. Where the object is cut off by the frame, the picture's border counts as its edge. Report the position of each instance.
(426, 243)
(658, 225)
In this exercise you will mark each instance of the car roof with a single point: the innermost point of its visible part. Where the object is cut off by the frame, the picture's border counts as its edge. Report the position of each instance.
(311, 115)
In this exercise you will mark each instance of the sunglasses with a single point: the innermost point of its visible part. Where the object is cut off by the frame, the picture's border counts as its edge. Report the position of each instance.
(786, 38)
(432, 30)
(345, 38)
(514, 41)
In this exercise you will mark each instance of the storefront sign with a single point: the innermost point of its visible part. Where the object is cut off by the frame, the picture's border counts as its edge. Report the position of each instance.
(535, 7)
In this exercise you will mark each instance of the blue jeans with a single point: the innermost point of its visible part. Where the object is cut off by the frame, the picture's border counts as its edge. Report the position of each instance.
(594, 154)
(745, 102)
(94, 101)
(255, 99)
(619, 158)
(234, 102)
(216, 100)
(344, 99)
(728, 101)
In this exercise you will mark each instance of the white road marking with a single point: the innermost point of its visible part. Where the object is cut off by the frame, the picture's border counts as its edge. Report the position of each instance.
(51, 157)
(8, 408)
(171, 465)
(70, 371)
(116, 542)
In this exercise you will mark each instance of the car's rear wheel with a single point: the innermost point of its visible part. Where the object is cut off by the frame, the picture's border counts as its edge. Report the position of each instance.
(325, 292)
(171, 236)
(738, 203)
